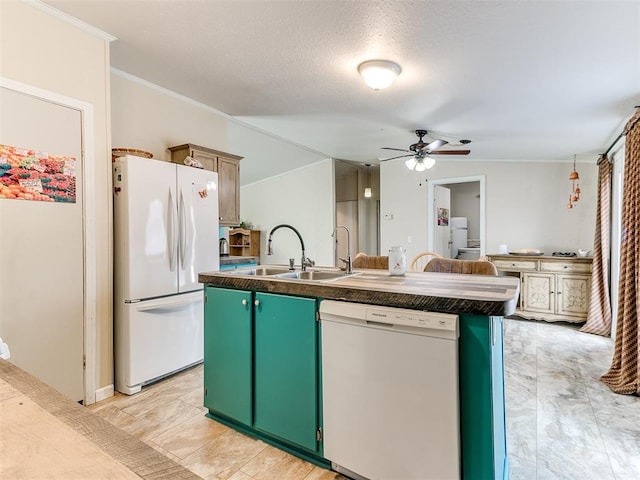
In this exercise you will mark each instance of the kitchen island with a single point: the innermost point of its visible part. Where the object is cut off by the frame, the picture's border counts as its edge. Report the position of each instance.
(266, 354)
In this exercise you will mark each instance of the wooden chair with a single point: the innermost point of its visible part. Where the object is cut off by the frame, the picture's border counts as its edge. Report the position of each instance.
(420, 261)
(448, 265)
(362, 260)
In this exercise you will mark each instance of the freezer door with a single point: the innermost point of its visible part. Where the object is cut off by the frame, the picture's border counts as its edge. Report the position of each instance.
(198, 247)
(157, 337)
(145, 227)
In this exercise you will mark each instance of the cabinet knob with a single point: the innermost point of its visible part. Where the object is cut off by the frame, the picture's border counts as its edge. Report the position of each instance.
(244, 302)
(220, 218)
(256, 303)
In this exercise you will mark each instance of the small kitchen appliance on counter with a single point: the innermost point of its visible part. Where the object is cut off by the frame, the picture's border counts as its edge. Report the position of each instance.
(224, 247)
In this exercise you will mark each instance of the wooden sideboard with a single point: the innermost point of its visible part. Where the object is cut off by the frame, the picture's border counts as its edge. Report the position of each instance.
(551, 288)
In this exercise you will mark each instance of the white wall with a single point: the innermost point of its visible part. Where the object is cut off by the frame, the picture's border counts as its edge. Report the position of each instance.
(303, 198)
(43, 51)
(148, 118)
(525, 204)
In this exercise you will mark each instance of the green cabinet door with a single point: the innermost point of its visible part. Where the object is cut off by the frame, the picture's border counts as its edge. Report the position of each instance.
(482, 413)
(286, 368)
(228, 353)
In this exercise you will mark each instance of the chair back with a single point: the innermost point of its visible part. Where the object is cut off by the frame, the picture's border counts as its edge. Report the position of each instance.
(362, 260)
(474, 267)
(420, 261)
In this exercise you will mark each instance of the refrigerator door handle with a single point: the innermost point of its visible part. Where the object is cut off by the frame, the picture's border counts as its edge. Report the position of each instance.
(171, 232)
(164, 304)
(182, 242)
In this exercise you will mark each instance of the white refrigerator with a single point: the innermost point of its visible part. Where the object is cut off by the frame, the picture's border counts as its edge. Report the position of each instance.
(458, 235)
(165, 233)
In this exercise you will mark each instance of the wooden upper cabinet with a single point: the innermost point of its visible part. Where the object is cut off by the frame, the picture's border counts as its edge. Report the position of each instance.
(229, 190)
(228, 167)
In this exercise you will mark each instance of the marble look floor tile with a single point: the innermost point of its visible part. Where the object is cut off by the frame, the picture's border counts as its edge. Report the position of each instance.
(224, 456)
(187, 437)
(522, 436)
(275, 464)
(240, 475)
(195, 397)
(117, 417)
(163, 417)
(166, 453)
(522, 468)
(319, 473)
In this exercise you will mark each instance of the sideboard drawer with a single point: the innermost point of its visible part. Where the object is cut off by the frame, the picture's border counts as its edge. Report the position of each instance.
(519, 265)
(565, 267)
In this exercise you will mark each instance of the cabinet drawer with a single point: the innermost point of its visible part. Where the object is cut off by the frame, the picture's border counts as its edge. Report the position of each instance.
(565, 267)
(520, 265)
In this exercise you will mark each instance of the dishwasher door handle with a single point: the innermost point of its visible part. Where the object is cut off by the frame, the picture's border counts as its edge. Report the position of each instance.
(380, 324)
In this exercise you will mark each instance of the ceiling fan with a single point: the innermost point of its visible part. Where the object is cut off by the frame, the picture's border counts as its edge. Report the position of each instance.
(420, 152)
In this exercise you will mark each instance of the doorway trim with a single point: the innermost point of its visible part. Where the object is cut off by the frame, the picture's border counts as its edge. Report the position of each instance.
(88, 222)
(430, 210)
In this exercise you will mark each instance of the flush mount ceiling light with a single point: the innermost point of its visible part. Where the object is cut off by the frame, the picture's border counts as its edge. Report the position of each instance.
(379, 74)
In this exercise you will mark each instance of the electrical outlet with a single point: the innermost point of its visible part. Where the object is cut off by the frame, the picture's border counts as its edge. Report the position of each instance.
(409, 238)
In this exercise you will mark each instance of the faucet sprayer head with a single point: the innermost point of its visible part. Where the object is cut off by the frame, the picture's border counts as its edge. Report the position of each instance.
(269, 247)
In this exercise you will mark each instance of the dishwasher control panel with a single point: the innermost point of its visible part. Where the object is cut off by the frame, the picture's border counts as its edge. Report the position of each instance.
(412, 318)
(390, 318)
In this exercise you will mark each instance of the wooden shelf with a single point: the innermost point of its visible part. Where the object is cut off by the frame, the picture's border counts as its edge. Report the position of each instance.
(244, 243)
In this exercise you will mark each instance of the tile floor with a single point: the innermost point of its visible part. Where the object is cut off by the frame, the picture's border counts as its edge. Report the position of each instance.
(562, 423)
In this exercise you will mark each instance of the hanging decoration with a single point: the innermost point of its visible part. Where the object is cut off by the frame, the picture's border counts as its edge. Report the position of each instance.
(574, 196)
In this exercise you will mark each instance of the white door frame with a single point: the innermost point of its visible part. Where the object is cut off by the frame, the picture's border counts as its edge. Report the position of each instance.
(431, 221)
(88, 222)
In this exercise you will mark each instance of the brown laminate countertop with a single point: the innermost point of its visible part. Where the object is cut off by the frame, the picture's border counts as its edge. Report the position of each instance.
(437, 292)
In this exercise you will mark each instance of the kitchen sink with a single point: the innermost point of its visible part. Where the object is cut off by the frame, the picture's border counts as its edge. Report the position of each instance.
(284, 273)
(313, 275)
(262, 271)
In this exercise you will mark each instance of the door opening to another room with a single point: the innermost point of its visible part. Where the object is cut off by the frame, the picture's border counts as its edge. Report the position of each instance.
(456, 217)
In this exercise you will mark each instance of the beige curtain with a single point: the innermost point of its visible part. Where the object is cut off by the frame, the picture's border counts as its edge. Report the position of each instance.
(599, 318)
(624, 374)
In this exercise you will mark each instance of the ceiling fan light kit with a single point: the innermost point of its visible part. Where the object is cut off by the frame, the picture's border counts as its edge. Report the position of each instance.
(420, 152)
(379, 74)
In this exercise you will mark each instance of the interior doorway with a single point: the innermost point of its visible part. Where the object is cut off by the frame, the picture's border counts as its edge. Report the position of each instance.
(465, 199)
(54, 337)
(359, 213)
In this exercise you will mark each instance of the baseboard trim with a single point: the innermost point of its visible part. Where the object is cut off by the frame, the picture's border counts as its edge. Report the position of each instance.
(104, 392)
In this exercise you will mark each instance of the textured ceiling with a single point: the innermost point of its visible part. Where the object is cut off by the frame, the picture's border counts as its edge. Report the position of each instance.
(524, 80)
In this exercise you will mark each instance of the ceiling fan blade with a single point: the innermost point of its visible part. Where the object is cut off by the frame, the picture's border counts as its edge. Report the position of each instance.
(398, 149)
(393, 158)
(434, 145)
(450, 152)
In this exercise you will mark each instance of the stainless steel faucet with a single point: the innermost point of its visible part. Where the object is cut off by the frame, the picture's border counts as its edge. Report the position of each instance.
(305, 262)
(347, 261)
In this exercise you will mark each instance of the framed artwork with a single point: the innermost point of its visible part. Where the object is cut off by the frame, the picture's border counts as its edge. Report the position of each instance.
(27, 174)
(443, 217)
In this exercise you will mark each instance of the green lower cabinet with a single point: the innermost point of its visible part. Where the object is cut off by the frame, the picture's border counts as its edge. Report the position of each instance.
(261, 367)
(228, 353)
(286, 368)
(482, 411)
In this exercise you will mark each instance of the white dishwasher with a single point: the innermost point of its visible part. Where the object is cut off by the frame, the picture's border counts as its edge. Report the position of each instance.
(390, 392)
